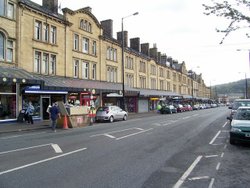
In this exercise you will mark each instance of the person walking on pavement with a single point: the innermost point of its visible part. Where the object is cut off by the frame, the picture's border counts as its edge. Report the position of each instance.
(29, 113)
(54, 115)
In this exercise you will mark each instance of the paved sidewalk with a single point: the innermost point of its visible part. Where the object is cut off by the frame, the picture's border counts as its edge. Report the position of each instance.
(9, 127)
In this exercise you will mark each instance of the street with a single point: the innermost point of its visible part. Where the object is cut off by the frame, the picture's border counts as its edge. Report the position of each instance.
(189, 149)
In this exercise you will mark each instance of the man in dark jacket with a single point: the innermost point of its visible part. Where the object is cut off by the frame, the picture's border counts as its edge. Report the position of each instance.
(54, 115)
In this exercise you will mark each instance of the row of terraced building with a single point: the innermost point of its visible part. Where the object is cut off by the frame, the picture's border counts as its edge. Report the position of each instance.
(46, 56)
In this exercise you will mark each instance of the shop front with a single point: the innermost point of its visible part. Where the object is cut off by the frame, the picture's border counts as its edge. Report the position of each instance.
(41, 99)
(8, 102)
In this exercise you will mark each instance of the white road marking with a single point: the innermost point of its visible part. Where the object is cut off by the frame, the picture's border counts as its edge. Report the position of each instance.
(115, 131)
(222, 155)
(211, 183)
(209, 156)
(41, 161)
(186, 174)
(211, 142)
(218, 166)
(217, 144)
(133, 134)
(21, 149)
(108, 135)
(56, 148)
(225, 146)
(186, 117)
(166, 124)
(16, 136)
(224, 125)
(199, 178)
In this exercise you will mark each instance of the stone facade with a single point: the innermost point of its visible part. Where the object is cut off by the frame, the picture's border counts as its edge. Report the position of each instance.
(83, 43)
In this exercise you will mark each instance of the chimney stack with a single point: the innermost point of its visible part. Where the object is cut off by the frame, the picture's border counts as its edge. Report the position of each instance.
(51, 5)
(135, 44)
(107, 26)
(145, 48)
(125, 35)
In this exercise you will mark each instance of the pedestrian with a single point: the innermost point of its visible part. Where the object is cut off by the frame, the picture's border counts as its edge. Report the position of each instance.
(54, 115)
(29, 113)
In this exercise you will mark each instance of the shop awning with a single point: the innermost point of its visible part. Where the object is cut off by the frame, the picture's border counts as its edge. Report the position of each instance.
(18, 75)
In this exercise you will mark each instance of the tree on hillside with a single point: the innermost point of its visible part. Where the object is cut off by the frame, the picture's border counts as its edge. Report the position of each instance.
(237, 12)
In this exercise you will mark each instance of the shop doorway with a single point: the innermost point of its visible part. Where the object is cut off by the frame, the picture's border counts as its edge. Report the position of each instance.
(45, 104)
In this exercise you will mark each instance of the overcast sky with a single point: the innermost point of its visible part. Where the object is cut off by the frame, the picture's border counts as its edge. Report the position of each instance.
(180, 30)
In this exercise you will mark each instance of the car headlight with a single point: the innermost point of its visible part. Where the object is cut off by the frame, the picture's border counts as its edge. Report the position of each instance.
(233, 129)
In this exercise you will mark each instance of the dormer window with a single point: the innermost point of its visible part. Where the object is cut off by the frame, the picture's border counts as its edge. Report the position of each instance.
(85, 25)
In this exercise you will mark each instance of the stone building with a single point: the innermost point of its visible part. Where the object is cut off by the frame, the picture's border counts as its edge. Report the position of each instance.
(46, 56)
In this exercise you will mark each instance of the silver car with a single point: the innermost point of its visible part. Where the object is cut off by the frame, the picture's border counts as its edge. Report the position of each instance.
(110, 113)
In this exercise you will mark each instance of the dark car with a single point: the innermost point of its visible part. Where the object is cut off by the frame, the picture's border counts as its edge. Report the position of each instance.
(240, 126)
(168, 109)
(236, 104)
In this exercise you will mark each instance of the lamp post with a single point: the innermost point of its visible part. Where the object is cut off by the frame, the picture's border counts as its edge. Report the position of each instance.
(123, 68)
(246, 85)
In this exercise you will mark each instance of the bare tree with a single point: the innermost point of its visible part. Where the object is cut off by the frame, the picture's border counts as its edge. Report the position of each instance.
(237, 12)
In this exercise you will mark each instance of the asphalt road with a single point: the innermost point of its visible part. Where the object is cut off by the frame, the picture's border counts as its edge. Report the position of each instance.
(187, 149)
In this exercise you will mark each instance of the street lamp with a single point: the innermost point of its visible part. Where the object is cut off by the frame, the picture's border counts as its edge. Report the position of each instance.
(123, 71)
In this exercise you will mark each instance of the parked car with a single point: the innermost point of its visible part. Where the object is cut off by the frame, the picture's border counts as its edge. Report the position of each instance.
(179, 107)
(196, 107)
(240, 126)
(168, 109)
(110, 113)
(236, 104)
(187, 107)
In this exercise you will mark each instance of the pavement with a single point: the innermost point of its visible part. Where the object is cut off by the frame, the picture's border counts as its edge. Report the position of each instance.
(14, 126)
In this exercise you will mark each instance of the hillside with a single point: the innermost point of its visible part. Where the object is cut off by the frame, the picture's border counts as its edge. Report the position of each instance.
(232, 87)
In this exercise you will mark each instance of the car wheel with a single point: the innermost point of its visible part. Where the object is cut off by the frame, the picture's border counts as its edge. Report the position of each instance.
(231, 141)
(111, 119)
(124, 117)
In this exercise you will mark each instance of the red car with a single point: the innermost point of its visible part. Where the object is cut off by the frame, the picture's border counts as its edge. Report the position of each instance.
(188, 107)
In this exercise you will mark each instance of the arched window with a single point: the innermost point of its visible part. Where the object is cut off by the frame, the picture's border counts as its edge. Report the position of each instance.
(81, 23)
(6, 48)
(2, 46)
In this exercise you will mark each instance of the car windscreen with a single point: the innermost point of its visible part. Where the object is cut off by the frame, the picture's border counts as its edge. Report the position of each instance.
(242, 114)
(101, 109)
(237, 104)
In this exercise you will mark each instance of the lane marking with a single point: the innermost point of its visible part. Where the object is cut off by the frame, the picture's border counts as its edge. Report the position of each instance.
(186, 117)
(21, 149)
(218, 166)
(56, 148)
(41, 161)
(217, 144)
(187, 173)
(133, 134)
(108, 135)
(199, 178)
(211, 183)
(222, 155)
(209, 156)
(16, 136)
(211, 142)
(118, 131)
(224, 125)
